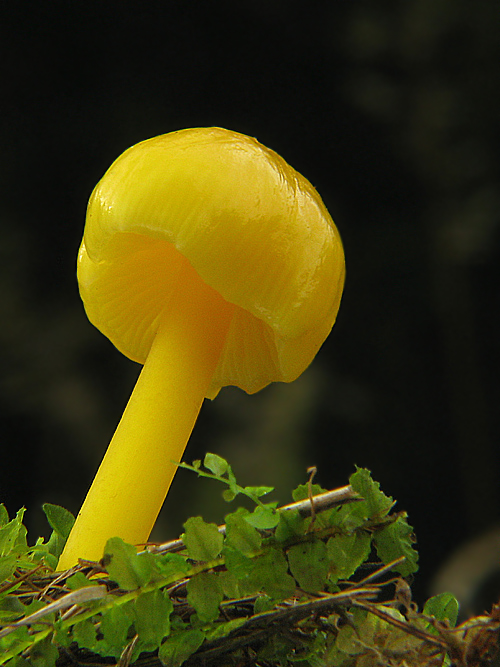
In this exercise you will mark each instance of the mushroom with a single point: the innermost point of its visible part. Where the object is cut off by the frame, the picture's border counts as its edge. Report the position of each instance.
(211, 261)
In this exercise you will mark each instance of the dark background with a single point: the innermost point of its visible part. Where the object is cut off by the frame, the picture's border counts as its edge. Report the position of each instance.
(390, 109)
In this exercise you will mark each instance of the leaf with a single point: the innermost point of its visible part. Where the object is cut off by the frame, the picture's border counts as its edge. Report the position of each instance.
(15, 638)
(171, 566)
(152, 618)
(125, 566)
(203, 540)
(35, 605)
(59, 519)
(177, 649)
(237, 563)
(229, 495)
(223, 629)
(115, 624)
(302, 491)
(55, 546)
(219, 470)
(444, 607)
(347, 552)
(204, 594)
(257, 491)
(19, 661)
(229, 584)
(264, 517)
(84, 634)
(61, 522)
(349, 517)
(216, 464)
(13, 535)
(394, 541)
(241, 535)
(290, 526)
(78, 580)
(4, 515)
(234, 488)
(43, 654)
(8, 565)
(309, 565)
(11, 608)
(270, 575)
(262, 604)
(376, 504)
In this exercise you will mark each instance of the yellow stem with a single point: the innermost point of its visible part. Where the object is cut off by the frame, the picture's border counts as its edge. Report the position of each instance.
(137, 470)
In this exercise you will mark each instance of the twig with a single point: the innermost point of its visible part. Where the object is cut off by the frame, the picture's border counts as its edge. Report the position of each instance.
(307, 507)
(402, 625)
(75, 598)
(258, 627)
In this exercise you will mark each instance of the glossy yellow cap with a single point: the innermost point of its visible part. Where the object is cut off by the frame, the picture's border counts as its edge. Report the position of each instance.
(252, 227)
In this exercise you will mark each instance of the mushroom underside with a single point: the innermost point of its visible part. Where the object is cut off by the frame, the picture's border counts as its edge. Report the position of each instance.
(126, 295)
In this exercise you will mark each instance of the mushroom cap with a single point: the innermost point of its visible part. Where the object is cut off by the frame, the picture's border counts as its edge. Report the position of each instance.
(252, 227)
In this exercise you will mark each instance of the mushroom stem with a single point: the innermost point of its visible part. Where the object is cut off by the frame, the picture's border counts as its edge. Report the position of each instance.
(139, 465)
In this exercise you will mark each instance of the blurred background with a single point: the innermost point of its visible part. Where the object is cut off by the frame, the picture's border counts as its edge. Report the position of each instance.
(391, 110)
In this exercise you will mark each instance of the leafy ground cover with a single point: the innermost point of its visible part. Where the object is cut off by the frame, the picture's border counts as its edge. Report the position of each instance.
(323, 581)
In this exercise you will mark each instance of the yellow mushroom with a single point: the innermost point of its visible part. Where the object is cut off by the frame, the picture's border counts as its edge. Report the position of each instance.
(211, 261)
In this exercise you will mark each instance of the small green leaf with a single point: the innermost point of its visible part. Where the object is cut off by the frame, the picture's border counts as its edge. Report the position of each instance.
(18, 636)
(376, 504)
(4, 515)
(309, 565)
(51, 559)
(115, 624)
(178, 648)
(352, 635)
(229, 584)
(125, 566)
(347, 552)
(171, 566)
(35, 605)
(262, 604)
(302, 491)
(84, 634)
(264, 517)
(8, 564)
(257, 491)
(78, 580)
(63, 636)
(216, 464)
(43, 654)
(241, 535)
(11, 608)
(270, 575)
(237, 563)
(203, 540)
(152, 618)
(349, 517)
(223, 629)
(234, 488)
(13, 535)
(59, 519)
(290, 526)
(394, 541)
(204, 594)
(55, 545)
(19, 661)
(444, 607)
(61, 522)
(229, 495)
